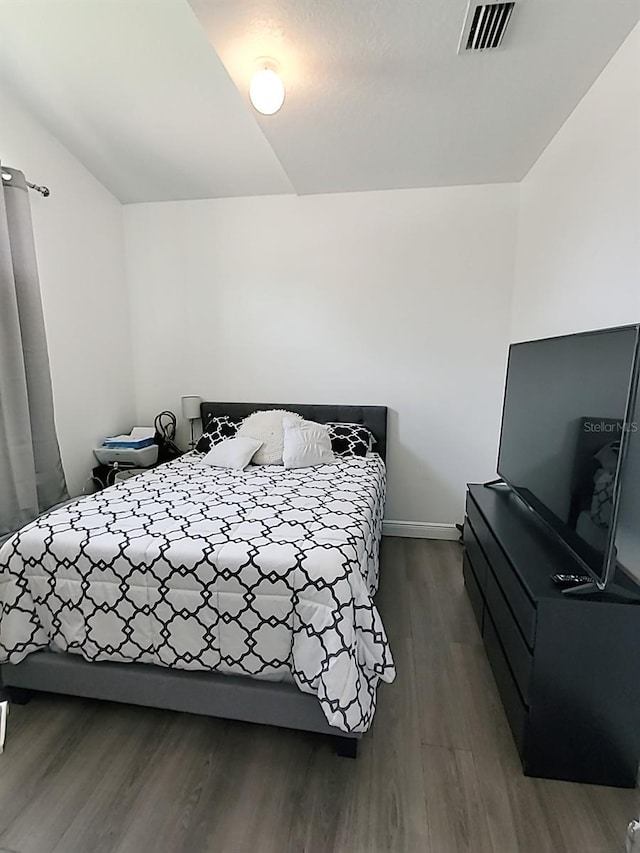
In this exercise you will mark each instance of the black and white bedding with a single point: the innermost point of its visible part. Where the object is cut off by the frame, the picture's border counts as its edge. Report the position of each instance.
(265, 572)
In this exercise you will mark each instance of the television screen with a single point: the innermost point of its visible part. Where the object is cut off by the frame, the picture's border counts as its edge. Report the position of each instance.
(627, 534)
(565, 424)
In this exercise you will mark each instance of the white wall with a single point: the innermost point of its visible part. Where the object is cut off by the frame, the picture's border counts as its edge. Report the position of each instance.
(578, 247)
(399, 298)
(80, 250)
(403, 297)
(578, 256)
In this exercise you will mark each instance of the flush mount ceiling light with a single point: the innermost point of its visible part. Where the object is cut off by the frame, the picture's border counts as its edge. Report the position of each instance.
(266, 90)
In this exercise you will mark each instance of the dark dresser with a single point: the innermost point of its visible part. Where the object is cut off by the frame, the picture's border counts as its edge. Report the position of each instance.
(567, 668)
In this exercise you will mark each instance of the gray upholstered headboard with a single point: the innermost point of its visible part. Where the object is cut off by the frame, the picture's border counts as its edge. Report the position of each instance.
(373, 417)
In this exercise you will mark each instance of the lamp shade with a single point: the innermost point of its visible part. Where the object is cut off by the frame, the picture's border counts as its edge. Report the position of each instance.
(191, 407)
(266, 92)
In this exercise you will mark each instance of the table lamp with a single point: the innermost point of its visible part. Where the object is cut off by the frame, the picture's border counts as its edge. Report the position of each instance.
(191, 412)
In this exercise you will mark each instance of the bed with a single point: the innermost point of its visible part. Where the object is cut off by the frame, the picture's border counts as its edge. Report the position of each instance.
(243, 595)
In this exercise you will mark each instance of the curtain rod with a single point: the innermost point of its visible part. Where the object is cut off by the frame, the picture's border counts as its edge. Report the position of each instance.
(45, 191)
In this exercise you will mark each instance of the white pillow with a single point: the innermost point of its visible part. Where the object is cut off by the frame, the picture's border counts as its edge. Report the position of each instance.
(232, 452)
(267, 428)
(306, 443)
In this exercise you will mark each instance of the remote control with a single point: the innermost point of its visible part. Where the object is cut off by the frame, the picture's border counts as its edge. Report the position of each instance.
(571, 580)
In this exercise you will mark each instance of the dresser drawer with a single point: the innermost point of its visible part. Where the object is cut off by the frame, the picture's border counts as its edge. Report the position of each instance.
(521, 605)
(473, 591)
(518, 655)
(515, 708)
(473, 549)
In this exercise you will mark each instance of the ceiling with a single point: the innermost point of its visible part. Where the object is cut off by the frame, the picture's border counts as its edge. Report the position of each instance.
(134, 89)
(151, 94)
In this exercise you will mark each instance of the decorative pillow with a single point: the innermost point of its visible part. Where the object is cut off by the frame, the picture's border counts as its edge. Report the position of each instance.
(306, 443)
(216, 430)
(232, 453)
(267, 428)
(350, 439)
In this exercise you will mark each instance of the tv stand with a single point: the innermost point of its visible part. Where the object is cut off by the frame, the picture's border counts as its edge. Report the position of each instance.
(566, 667)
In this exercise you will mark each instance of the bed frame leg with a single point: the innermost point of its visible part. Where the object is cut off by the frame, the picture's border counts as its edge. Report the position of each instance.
(346, 747)
(16, 695)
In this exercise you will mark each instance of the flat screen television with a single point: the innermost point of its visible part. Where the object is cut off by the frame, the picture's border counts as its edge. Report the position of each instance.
(570, 443)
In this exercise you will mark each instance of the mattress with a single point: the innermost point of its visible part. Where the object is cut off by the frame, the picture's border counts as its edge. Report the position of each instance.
(268, 573)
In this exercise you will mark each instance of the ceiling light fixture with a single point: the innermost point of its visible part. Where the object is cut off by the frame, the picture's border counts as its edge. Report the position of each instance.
(266, 90)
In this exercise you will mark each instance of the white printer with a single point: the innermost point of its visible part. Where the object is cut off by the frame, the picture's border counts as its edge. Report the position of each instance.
(136, 449)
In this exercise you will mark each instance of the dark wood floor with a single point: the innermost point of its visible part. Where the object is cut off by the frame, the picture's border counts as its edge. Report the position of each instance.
(438, 772)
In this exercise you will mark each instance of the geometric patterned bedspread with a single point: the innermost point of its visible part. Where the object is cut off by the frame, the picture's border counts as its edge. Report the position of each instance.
(266, 572)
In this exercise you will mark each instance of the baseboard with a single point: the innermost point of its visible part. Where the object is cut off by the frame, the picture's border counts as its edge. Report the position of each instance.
(420, 530)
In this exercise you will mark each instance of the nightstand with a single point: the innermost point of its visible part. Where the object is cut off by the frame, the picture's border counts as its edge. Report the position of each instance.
(104, 475)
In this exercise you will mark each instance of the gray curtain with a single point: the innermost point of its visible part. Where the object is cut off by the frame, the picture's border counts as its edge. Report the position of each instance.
(31, 474)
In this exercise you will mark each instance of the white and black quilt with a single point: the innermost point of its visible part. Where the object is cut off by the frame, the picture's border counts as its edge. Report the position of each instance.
(266, 572)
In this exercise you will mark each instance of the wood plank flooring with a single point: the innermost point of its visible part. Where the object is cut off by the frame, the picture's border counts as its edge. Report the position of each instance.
(438, 773)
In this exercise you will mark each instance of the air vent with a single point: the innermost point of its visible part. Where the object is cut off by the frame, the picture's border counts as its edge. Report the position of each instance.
(485, 26)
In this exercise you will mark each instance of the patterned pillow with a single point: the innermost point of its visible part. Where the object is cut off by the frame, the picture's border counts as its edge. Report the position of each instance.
(217, 429)
(350, 439)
